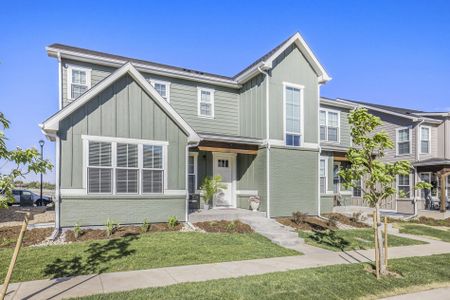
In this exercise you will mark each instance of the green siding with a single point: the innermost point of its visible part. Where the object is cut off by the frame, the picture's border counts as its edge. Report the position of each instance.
(292, 67)
(253, 107)
(95, 211)
(122, 110)
(326, 204)
(345, 138)
(294, 181)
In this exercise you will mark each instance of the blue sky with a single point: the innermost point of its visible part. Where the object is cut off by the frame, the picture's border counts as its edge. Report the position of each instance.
(389, 52)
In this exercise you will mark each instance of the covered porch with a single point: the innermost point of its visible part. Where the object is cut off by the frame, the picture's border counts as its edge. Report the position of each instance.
(437, 173)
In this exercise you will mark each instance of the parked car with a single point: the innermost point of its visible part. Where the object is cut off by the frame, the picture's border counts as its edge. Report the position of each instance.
(26, 197)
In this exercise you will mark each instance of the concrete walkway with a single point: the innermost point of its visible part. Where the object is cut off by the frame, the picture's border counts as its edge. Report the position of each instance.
(123, 281)
(435, 294)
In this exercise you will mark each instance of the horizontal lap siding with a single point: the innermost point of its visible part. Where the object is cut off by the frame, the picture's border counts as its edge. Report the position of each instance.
(344, 130)
(94, 211)
(294, 181)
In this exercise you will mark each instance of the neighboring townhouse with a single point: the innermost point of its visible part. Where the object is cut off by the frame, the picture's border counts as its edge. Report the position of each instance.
(135, 139)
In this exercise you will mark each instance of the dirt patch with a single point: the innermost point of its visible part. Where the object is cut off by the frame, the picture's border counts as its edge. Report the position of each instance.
(9, 235)
(309, 223)
(123, 231)
(351, 221)
(14, 215)
(224, 226)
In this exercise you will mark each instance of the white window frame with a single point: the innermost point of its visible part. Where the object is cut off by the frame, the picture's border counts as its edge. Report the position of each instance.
(429, 139)
(421, 180)
(302, 119)
(138, 169)
(410, 187)
(195, 156)
(114, 141)
(86, 166)
(326, 175)
(327, 111)
(199, 99)
(162, 82)
(397, 141)
(361, 189)
(70, 68)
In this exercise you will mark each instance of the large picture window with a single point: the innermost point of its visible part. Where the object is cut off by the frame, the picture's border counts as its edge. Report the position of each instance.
(293, 111)
(125, 167)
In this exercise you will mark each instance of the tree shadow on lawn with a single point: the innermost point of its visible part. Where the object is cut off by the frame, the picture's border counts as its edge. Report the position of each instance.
(330, 238)
(98, 255)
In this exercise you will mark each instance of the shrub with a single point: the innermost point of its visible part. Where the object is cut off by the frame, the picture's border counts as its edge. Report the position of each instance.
(332, 221)
(210, 187)
(145, 227)
(111, 227)
(299, 217)
(231, 227)
(172, 222)
(77, 231)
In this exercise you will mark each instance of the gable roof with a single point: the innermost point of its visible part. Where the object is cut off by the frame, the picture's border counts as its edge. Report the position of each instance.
(50, 126)
(179, 72)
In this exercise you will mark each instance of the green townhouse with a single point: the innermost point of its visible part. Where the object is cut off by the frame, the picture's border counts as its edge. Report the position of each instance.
(135, 139)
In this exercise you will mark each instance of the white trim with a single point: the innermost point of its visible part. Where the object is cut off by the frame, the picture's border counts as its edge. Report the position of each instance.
(335, 103)
(410, 187)
(247, 192)
(301, 88)
(162, 82)
(123, 140)
(52, 124)
(232, 159)
(397, 141)
(420, 139)
(327, 111)
(70, 68)
(199, 98)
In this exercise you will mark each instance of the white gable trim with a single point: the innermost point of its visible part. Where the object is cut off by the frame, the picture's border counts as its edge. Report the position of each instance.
(51, 125)
(306, 51)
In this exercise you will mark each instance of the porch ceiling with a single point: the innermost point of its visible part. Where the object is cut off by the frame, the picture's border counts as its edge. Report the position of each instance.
(212, 146)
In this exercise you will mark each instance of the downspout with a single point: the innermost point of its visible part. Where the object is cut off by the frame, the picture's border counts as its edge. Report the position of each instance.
(186, 217)
(58, 153)
(320, 150)
(267, 142)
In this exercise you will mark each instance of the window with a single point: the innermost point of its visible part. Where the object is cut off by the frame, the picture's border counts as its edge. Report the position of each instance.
(403, 141)
(192, 173)
(425, 135)
(99, 171)
(292, 102)
(403, 186)
(336, 177)
(205, 103)
(222, 163)
(425, 177)
(133, 167)
(329, 125)
(78, 81)
(323, 175)
(357, 189)
(163, 88)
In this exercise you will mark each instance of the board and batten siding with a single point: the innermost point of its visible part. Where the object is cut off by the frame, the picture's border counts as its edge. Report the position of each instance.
(252, 109)
(122, 110)
(183, 98)
(292, 67)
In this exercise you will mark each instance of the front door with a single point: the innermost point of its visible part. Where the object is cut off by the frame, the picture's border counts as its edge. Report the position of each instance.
(224, 166)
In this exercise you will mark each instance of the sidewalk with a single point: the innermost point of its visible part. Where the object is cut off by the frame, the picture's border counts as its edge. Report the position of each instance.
(123, 281)
(435, 294)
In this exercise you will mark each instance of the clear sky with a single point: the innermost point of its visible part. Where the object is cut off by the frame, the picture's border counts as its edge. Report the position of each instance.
(389, 52)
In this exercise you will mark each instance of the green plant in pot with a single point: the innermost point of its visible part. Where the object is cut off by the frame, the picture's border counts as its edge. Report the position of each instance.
(210, 187)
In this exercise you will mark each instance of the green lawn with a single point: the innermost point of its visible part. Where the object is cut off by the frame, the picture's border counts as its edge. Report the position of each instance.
(333, 282)
(441, 234)
(137, 252)
(345, 240)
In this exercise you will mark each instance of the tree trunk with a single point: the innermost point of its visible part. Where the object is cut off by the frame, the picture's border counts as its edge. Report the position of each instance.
(380, 239)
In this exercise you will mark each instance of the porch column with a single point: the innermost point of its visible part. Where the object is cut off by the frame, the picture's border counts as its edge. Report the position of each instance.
(443, 189)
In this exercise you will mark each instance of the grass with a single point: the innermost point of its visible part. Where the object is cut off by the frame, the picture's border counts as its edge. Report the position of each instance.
(137, 252)
(353, 239)
(441, 234)
(332, 282)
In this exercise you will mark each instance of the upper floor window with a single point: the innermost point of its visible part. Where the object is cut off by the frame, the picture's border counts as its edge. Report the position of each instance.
(205, 103)
(329, 125)
(163, 88)
(425, 137)
(293, 95)
(403, 141)
(78, 81)
(118, 167)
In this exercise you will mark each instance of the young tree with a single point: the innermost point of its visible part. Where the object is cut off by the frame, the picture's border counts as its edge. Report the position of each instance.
(369, 146)
(24, 162)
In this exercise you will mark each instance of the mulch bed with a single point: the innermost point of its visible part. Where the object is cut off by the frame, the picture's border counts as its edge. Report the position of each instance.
(224, 226)
(346, 220)
(9, 235)
(311, 223)
(123, 231)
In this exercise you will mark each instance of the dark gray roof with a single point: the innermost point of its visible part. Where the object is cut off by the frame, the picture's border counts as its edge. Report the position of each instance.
(395, 109)
(433, 162)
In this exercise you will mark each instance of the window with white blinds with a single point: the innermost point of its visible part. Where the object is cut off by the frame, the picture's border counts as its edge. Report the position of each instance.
(99, 170)
(125, 168)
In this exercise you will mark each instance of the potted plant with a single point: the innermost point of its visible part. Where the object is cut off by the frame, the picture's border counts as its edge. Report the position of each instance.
(255, 202)
(209, 188)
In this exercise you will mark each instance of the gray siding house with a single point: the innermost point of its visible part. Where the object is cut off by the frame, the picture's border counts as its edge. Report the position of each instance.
(135, 139)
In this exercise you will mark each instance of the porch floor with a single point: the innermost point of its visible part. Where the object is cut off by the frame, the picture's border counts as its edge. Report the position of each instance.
(227, 214)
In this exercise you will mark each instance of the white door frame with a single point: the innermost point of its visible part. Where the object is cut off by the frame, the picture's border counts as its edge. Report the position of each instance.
(232, 159)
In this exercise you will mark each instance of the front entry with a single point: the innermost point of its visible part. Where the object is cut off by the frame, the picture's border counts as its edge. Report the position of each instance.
(225, 166)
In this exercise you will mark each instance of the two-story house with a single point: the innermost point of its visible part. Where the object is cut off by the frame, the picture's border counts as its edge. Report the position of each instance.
(134, 139)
